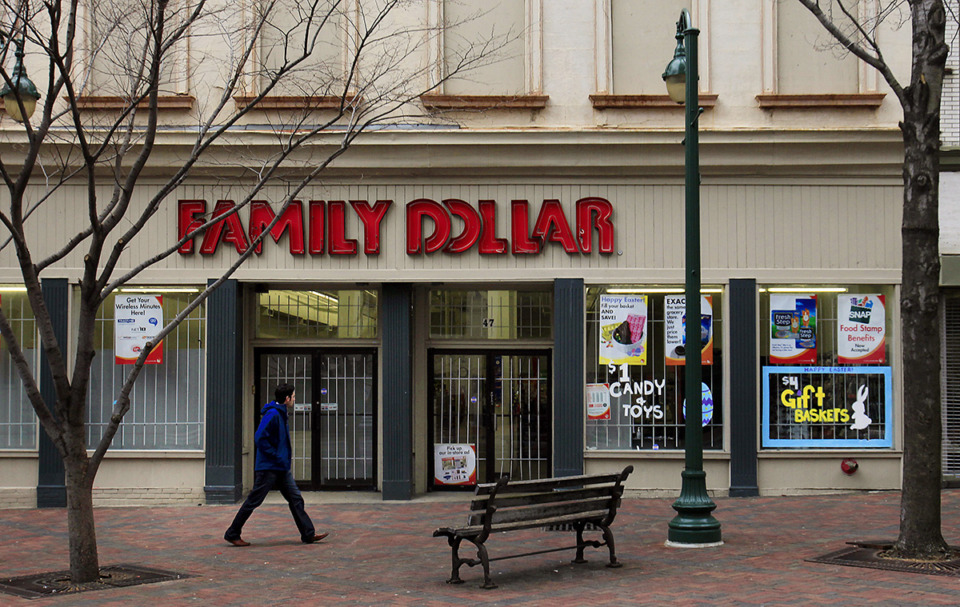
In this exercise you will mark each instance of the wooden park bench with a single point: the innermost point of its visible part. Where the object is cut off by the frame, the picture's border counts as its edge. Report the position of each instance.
(570, 501)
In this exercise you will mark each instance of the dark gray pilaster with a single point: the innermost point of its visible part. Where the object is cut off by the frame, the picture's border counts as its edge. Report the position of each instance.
(743, 387)
(568, 376)
(51, 488)
(397, 402)
(224, 423)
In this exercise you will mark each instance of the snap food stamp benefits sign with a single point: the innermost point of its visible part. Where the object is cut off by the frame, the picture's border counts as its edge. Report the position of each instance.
(137, 321)
(861, 329)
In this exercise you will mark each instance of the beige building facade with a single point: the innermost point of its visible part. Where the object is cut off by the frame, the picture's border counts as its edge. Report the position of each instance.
(499, 291)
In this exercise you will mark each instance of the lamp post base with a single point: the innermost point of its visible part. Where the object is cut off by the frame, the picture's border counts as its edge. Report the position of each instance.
(694, 524)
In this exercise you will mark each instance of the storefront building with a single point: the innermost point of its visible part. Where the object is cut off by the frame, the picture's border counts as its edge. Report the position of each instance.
(455, 304)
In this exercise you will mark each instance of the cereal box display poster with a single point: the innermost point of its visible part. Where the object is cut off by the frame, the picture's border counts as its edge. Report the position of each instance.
(793, 329)
(623, 329)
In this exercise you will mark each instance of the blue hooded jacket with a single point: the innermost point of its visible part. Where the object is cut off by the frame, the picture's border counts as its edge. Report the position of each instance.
(273, 438)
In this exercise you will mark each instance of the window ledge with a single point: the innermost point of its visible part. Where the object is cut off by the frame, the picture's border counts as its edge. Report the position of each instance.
(612, 102)
(150, 454)
(281, 102)
(110, 103)
(484, 102)
(839, 101)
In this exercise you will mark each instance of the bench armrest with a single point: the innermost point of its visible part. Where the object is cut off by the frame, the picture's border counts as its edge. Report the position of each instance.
(616, 493)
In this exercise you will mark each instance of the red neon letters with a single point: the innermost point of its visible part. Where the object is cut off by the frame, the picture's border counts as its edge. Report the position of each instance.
(480, 227)
(454, 226)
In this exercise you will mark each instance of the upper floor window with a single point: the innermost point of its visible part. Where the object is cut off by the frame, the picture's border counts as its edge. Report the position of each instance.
(119, 46)
(635, 40)
(486, 54)
(804, 66)
(301, 54)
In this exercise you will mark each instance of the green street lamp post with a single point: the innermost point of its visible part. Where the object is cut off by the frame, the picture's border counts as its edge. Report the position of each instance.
(22, 92)
(694, 525)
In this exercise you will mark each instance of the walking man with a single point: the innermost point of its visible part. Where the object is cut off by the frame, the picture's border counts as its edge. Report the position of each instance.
(272, 470)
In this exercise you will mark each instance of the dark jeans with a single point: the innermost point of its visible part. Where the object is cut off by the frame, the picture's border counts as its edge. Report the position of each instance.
(263, 482)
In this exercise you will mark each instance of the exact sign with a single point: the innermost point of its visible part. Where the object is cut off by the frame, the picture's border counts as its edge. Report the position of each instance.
(320, 226)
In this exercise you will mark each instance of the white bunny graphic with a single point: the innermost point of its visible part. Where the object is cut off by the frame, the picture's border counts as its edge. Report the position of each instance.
(860, 418)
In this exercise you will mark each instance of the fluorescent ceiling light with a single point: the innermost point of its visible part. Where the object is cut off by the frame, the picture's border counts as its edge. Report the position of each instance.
(325, 296)
(22, 289)
(807, 290)
(159, 290)
(678, 290)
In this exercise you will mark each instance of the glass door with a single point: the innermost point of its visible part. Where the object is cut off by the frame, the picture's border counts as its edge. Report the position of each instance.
(332, 426)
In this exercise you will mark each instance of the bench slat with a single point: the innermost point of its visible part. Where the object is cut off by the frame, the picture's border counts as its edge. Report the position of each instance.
(533, 513)
(548, 484)
(474, 530)
(542, 498)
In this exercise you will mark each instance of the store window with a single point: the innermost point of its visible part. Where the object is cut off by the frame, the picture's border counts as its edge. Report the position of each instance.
(507, 314)
(317, 314)
(18, 423)
(635, 367)
(166, 404)
(826, 366)
(950, 413)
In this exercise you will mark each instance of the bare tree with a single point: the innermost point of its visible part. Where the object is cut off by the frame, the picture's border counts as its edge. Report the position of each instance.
(126, 59)
(920, 535)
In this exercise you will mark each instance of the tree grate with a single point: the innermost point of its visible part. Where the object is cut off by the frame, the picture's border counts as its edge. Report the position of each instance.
(52, 583)
(870, 555)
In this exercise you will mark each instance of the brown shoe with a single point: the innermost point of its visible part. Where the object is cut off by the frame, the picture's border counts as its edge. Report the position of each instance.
(239, 542)
(316, 538)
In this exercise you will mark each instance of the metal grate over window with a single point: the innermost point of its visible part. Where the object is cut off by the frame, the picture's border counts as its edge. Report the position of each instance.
(18, 423)
(950, 410)
(646, 401)
(465, 314)
(166, 404)
(345, 314)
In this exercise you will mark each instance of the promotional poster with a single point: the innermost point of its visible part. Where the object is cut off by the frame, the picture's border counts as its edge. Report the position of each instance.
(793, 329)
(455, 464)
(706, 405)
(623, 329)
(137, 320)
(675, 332)
(598, 401)
(861, 329)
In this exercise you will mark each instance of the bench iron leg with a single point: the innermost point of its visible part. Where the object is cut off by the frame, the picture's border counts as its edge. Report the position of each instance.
(608, 538)
(485, 561)
(457, 561)
(580, 545)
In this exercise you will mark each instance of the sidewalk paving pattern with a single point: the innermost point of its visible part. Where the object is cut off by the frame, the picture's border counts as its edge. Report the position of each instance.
(382, 553)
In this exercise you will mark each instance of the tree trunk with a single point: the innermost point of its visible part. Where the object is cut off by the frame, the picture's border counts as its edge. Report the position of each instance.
(920, 535)
(84, 562)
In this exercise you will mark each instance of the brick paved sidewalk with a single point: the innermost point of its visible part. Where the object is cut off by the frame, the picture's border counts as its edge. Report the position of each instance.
(383, 554)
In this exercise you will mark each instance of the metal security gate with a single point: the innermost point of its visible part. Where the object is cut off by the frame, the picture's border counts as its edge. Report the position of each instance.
(950, 407)
(332, 427)
(499, 403)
